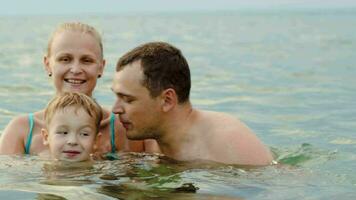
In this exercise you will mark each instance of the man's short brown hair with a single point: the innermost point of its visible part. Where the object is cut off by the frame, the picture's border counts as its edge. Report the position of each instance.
(163, 66)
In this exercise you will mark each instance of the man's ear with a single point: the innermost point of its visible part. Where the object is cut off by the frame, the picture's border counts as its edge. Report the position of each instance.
(46, 64)
(169, 99)
(44, 133)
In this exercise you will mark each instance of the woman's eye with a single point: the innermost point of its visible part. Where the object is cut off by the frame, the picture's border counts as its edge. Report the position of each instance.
(64, 59)
(88, 60)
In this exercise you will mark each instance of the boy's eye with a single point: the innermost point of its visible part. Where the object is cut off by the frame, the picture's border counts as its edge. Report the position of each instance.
(62, 132)
(85, 134)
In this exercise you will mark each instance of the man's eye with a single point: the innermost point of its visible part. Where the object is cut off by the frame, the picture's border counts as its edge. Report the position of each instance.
(128, 100)
(125, 98)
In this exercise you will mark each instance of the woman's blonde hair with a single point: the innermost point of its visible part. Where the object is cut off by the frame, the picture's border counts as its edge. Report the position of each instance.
(75, 26)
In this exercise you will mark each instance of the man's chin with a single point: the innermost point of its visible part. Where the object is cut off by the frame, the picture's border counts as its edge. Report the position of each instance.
(139, 136)
(134, 136)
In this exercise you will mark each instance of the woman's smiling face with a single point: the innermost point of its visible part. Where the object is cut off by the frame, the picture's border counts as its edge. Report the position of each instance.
(75, 62)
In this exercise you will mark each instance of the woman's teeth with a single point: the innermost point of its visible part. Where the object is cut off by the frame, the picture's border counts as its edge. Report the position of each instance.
(75, 81)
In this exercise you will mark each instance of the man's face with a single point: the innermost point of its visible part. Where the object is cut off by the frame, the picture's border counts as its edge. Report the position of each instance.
(138, 112)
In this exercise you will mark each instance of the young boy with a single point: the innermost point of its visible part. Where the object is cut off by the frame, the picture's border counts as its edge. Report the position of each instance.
(72, 125)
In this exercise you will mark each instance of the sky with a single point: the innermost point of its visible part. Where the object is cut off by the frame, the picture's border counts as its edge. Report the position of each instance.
(39, 7)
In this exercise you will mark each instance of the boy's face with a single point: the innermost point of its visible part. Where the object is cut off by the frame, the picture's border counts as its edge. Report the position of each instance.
(70, 135)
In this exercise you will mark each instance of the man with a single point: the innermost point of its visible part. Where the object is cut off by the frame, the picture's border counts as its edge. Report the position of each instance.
(152, 85)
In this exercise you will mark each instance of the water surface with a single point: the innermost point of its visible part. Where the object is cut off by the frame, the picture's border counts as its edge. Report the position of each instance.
(288, 75)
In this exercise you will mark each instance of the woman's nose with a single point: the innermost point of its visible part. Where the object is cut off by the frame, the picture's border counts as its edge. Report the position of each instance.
(76, 67)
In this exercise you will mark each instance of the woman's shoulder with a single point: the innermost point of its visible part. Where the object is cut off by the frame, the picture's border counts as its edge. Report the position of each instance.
(14, 134)
(20, 124)
(19, 121)
(106, 117)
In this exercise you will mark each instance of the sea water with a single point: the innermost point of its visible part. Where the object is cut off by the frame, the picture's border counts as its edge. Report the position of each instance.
(289, 75)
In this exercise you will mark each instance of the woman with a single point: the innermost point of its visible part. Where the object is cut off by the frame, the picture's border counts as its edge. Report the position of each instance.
(74, 61)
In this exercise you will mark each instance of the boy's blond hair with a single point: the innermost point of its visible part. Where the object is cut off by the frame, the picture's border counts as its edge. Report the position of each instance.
(78, 100)
(76, 26)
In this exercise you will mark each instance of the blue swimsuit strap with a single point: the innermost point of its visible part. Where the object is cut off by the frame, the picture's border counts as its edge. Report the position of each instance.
(29, 136)
(112, 132)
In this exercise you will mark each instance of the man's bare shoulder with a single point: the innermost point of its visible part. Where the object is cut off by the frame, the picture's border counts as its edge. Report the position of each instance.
(230, 137)
(222, 121)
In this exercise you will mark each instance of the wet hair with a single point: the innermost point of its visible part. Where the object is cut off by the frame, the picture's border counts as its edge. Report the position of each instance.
(163, 66)
(77, 100)
(75, 26)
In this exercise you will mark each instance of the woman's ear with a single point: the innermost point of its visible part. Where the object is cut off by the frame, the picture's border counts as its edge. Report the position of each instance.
(44, 133)
(102, 67)
(169, 99)
(46, 65)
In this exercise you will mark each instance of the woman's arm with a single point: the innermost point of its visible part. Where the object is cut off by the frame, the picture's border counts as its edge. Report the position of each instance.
(13, 137)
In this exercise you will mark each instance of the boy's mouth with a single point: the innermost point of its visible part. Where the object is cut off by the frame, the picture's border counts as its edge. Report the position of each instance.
(71, 153)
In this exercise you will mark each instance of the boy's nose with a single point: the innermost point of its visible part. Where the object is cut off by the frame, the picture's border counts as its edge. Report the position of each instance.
(72, 140)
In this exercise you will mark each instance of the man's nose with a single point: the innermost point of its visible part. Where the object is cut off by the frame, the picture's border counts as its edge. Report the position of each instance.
(117, 108)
